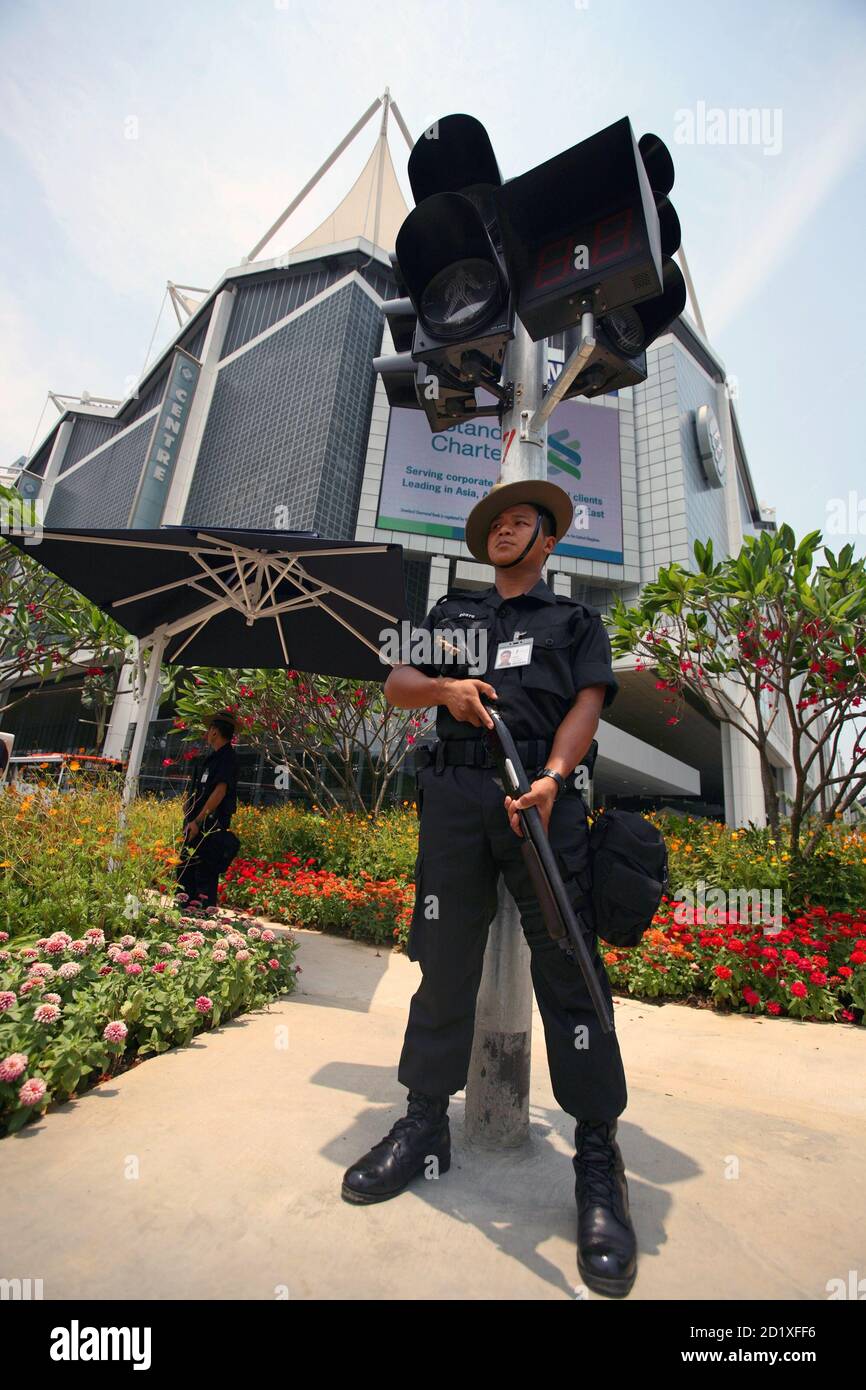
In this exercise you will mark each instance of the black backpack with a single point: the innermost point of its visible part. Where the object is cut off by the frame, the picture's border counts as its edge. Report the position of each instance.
(629, 867)
(218, 849)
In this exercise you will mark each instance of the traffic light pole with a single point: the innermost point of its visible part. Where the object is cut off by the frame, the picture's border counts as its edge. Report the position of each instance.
(497, 1087)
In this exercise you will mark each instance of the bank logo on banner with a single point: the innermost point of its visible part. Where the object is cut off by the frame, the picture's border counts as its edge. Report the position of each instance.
(562, 453)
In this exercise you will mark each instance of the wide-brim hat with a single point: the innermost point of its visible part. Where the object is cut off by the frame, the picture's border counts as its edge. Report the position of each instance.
(537, 492)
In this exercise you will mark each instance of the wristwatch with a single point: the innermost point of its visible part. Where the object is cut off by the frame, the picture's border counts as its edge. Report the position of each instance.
(560, 781)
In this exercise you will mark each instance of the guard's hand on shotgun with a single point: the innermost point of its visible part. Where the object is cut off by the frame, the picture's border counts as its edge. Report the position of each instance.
(542, 794)
(463, 700)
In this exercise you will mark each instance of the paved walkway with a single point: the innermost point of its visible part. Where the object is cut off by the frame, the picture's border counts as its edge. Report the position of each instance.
(214, 1171)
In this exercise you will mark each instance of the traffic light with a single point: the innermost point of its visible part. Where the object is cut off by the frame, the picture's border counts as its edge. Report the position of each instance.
(449, 263)
(410, 384)
(581, 244)
(609, 369)
(593, 227)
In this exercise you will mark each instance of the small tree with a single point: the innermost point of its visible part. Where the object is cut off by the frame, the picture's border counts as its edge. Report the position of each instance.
(761, 639)
(46, 627)
(308, 725)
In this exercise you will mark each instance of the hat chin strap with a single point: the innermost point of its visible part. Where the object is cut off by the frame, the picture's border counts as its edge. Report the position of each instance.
(529, 544)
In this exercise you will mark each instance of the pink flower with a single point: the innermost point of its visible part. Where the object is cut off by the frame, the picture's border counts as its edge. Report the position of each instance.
(274, 964)
(47, 1013)
(242, 955)
(159, 967)
(69, 970)
(115, 1032)
(267, 934)
(12, 1066)
(133, 969)
(8, 997)
(51, 999)
(33, 1091)
(203, 1004)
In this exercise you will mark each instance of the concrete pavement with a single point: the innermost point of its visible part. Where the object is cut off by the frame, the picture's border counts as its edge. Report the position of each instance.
(214, 1171)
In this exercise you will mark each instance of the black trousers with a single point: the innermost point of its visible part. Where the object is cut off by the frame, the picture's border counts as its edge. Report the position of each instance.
(195, 876)
(465, 842)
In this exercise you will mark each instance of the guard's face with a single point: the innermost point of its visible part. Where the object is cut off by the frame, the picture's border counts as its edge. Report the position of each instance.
(509, 533)
(211, 737)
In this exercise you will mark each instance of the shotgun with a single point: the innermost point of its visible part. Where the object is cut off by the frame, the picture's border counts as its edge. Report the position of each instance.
(560, 918)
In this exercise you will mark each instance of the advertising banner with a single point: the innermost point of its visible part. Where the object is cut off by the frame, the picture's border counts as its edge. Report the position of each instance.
(430, 481)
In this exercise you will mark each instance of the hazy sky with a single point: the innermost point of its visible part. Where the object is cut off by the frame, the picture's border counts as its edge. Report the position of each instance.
(235, 103)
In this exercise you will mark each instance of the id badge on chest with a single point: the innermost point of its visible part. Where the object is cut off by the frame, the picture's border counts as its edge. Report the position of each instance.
(513, 653)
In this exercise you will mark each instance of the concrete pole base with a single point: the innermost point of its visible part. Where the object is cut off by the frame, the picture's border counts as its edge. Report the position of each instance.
(497, 1092)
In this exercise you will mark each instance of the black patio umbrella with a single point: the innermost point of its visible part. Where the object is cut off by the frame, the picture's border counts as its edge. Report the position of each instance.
(226, 597)
(231, 597)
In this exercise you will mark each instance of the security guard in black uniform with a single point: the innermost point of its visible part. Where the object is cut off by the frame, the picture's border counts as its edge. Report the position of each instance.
(547, 665)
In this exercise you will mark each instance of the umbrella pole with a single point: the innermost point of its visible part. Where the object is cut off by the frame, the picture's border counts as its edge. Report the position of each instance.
(142, 724)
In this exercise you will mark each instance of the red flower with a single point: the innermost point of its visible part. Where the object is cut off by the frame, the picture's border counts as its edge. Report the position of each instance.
(799, 990)
(773, 1007)
(723, 972)
(751, 997)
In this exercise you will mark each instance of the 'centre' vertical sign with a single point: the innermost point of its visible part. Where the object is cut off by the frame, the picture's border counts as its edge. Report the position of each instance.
(165, 441)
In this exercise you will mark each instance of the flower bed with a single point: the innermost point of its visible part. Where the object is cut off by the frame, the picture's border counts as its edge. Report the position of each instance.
(74, 1011)
(813, 968)
(297, 893)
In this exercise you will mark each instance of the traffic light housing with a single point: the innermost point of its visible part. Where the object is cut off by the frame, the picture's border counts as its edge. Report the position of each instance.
(609, 369)
(413, 385)
(594, 227)
(449, 253)
(590, 232)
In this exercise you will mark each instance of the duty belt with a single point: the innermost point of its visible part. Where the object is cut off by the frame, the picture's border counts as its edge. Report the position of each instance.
(474, 752)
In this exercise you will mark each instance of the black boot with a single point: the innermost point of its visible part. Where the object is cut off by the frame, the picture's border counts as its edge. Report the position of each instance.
(606, 1241)
(391, 1164)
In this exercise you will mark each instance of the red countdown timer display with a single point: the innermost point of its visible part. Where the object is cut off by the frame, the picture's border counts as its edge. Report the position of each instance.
(581, 255)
